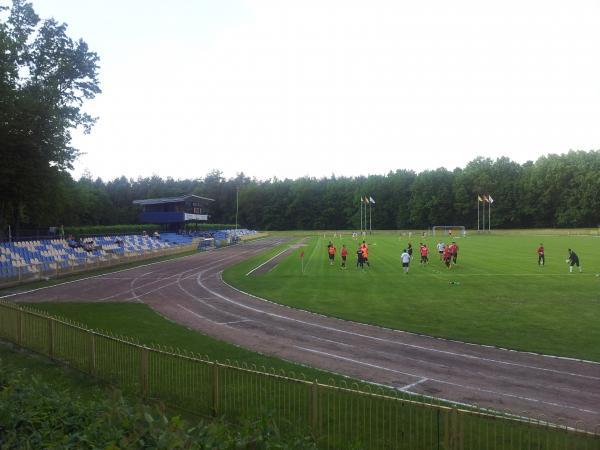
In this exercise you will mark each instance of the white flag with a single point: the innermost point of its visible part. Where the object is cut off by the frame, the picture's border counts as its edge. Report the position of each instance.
(490, 198)
(371, 200)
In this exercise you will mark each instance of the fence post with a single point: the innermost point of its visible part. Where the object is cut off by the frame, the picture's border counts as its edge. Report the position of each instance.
(50, 338)
(314, 409)
(144, 376)
(19, 336)
(215, 390)
(92, 354)
(453, 431)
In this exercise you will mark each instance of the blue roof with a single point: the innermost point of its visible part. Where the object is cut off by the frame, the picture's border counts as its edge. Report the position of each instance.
(160, 201)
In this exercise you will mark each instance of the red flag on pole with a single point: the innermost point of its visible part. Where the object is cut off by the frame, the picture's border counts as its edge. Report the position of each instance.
(302, 255)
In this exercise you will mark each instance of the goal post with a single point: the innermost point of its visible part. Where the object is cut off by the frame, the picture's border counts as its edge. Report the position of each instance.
(449, 230)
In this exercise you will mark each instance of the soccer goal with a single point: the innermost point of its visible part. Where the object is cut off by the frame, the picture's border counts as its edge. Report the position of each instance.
(449, 230)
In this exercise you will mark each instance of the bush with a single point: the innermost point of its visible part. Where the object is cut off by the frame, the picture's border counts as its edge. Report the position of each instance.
(35, 415)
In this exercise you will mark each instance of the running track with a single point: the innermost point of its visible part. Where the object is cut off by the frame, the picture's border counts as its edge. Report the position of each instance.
(190, 291)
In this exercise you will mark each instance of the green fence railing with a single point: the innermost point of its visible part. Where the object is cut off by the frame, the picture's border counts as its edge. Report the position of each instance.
(339, 416)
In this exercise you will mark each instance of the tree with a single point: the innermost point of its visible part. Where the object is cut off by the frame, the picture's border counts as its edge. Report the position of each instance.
(45, 77)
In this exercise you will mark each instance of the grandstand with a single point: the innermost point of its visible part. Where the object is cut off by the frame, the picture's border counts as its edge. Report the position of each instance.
(21, 258)
(32, 259)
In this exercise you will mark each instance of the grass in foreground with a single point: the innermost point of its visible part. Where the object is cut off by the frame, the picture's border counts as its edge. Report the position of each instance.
(497, 294)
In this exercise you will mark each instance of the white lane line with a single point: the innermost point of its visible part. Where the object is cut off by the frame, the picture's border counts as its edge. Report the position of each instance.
(91, 277)
(412, 385)
(420, 335)
(449, 383)
(328, 340)
(391, 341)
(235, 321)
(209, 305)
(534, 384)
(267, 261)
(177, 275)
(210, 320)
(194, 313)
(132, 290)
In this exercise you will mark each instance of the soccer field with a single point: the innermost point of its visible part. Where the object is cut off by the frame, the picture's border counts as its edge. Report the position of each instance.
(496, 294)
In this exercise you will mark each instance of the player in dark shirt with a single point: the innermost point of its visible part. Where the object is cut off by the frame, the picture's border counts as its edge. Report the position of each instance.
(573, 260)
(359, 258)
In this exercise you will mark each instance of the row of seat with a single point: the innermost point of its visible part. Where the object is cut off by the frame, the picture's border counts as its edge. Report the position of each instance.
(23, 257)
(29, 257)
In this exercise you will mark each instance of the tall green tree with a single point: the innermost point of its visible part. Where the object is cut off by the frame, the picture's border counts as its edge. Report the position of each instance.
(45, 77)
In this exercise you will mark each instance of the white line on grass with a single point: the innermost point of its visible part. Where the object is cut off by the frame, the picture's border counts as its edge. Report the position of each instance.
(310, 258)
(268, 260)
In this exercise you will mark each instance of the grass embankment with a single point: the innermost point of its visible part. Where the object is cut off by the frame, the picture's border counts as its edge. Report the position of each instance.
(496, 295)
(146, 326)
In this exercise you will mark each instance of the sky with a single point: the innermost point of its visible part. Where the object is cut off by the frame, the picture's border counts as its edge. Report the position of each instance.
(319, 87)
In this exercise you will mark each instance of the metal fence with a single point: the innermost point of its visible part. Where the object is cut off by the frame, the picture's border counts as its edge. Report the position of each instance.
(337, 416)
(45, 271)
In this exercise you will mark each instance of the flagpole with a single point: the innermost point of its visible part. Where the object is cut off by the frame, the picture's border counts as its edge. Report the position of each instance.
(483, 214)
(489, 216)
(370, 222)
(478, 214)
(361, 203)
(365, 221)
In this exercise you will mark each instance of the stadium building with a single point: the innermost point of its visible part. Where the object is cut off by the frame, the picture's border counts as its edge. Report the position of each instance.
(174, 213)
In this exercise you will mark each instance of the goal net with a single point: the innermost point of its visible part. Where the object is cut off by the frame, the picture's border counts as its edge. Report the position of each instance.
(449, 230)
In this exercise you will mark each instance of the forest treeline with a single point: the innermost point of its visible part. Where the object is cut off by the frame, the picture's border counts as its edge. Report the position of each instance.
(46, 77)
(554, 191)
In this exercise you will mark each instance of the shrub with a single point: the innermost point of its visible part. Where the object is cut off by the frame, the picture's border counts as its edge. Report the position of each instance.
(33, 414)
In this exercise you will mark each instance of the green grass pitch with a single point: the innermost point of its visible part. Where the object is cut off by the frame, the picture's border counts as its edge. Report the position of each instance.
(496, 294)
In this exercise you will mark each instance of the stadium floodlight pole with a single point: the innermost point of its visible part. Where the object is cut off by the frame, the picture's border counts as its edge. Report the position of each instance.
(237, 206)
